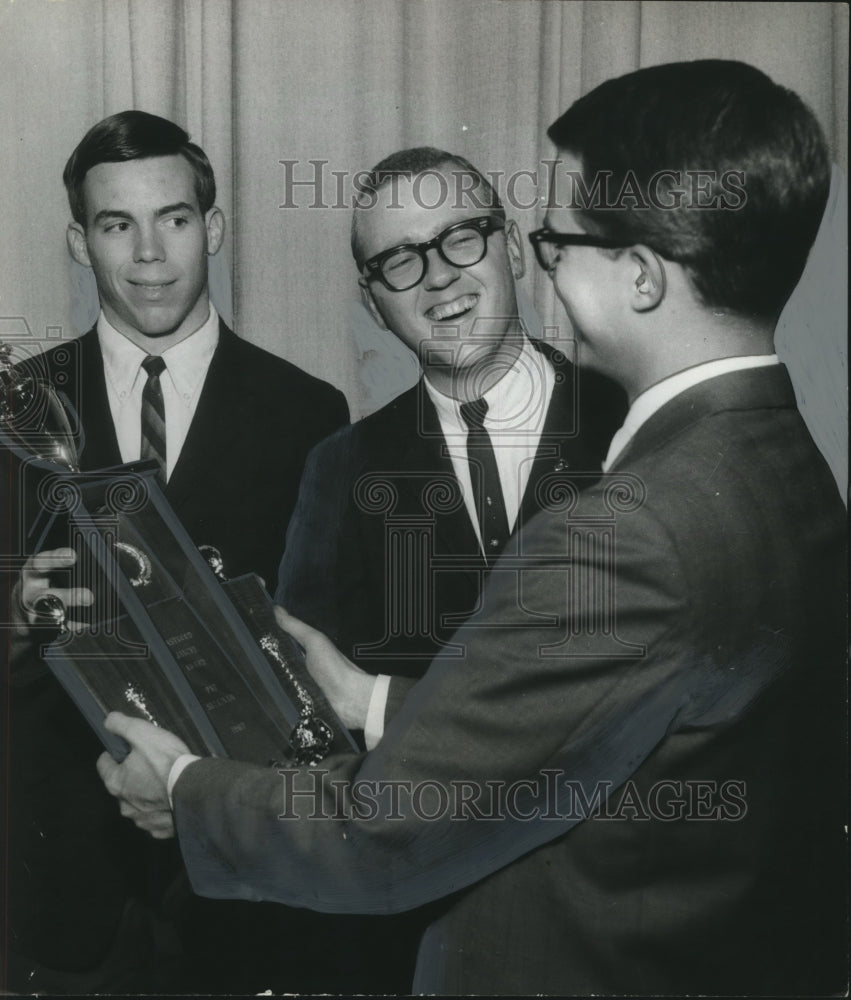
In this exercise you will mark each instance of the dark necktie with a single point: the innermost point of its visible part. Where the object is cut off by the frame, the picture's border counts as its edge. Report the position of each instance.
(487, 489)
(153, 414)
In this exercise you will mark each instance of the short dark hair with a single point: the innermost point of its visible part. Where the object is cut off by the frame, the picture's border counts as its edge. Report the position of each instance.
(719, 116)
(135, 135)
(409, 163)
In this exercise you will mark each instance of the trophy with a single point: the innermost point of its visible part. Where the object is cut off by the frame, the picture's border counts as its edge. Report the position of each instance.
(32, 418)
(168, 639)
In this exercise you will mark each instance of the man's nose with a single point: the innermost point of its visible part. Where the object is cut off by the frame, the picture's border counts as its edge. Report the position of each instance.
(439, 272)
(149, 245)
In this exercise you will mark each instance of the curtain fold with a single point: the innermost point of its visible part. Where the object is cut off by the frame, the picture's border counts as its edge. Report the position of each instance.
(329, 87)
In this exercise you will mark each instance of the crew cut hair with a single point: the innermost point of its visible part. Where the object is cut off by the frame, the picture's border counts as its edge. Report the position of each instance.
(135, 135)
(410, 163)
(713, 116)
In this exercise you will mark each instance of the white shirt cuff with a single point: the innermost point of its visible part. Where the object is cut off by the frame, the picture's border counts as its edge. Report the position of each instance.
(177, 768)
(373, 728)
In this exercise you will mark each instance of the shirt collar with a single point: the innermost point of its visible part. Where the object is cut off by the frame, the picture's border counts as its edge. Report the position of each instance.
(514, 402)
(186, 362)
(654, 398)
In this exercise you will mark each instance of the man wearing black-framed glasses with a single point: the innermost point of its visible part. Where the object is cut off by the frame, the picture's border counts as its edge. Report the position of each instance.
(494, 412)
(460, 245)
(464, 451)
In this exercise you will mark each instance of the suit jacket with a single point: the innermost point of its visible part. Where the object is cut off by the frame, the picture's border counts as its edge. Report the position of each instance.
(236, 481)
(687, 675)
(381, 554)
(74, 863)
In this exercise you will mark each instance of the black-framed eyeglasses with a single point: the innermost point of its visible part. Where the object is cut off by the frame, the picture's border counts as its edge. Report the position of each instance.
(461, 245)
(547, 243)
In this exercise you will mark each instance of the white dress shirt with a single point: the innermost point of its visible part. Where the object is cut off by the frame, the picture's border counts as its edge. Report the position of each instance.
(654, 398)
(181, 382)
(517, 410)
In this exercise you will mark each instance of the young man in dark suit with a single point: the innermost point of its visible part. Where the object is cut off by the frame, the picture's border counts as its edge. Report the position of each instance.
(160, 376)
(643, 791)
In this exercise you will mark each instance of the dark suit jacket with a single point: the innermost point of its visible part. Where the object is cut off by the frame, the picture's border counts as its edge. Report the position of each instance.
(381, 554)
(74, 862)
(236, 481)
(694, 653)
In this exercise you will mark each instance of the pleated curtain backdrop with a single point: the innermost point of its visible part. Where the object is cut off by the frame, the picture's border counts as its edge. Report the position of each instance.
(286, 91)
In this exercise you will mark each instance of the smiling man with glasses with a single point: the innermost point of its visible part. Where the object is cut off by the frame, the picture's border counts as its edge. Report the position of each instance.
(438, 261)
(463, 451)
(494, 413)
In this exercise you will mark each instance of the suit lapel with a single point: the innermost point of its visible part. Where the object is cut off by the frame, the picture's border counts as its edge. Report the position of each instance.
(217, 419)
(100, 448)
(584, 412)
(425, 451)
(559, 431)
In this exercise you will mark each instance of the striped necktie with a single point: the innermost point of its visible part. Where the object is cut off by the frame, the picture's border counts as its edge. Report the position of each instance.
(153, 414)
(484, 474)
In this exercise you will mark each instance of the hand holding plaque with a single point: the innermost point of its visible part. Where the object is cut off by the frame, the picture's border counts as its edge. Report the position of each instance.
(203, 659)
(167, 641)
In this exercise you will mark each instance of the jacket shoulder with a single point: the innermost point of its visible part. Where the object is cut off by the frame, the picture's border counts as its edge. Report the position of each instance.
(269, 369)
(374, 439)
(280, 392)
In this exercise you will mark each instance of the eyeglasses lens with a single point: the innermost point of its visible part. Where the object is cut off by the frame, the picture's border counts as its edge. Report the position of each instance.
(403, 269)
(464, 247)
(460, 247)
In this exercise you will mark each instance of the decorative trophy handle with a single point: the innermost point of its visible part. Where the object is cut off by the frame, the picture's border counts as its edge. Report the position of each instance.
(51, 611)
(133, 696)
(312, 737)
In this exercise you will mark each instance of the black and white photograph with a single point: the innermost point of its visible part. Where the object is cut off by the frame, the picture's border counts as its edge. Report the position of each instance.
(423, 491)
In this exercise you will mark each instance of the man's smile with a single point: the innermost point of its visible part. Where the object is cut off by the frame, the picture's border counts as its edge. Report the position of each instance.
(151, 290)
(452, 310)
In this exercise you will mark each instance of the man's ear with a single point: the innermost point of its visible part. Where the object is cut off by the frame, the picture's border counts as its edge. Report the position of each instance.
(75, 237)
(370, 303)
(514, 245)
(215, 223)
(647, 274)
